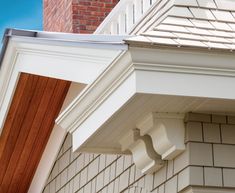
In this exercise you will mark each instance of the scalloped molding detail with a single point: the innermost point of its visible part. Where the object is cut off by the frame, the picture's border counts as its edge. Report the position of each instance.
(167, 133)
(141, 147)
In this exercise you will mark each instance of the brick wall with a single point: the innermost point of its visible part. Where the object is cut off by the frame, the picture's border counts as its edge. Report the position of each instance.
(57, 15)
(208, 162)
(88, 14)
(75, 16)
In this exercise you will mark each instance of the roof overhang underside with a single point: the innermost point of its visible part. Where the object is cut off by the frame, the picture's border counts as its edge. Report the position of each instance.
(164, 71)
(144, 81)
(174, 69)
(37, 69)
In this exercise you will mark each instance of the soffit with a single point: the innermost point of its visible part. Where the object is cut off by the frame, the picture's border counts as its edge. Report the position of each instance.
(107, 138)
(27, 128)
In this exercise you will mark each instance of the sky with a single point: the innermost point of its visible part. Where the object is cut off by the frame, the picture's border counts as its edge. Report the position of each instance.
(22, 14)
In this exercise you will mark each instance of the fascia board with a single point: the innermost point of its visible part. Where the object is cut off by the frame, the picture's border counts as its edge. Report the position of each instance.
(200, 61)
(171, 71)
(73, 62)
(9, 75)
(148, 71)
(190, 85)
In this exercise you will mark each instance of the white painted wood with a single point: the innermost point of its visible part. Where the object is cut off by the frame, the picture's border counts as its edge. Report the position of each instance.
(138, 9)
(146, 5)
(129, 15)
(144, 156)
(101, 114)
(114, 27)
(149, 80)
(167, 132)
(122, 23)
(184, 61)
(77, 64)
(179, 87)
(78, 111)
(133, 9)
(8, 80)
(142, 160)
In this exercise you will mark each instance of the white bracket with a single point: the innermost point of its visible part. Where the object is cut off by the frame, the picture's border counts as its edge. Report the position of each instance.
(144, 156)
(167, 132)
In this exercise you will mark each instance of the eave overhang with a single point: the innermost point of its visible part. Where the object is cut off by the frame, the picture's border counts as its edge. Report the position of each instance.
(75, 58)
(37, 69)
(149, 89)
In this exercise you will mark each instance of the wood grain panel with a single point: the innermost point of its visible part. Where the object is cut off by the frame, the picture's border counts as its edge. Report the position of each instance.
(52, 111)
(36, 104)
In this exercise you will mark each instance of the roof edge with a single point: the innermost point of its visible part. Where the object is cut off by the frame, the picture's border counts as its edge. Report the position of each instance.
(8, 33)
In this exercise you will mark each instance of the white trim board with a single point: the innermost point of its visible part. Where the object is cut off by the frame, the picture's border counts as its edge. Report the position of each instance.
(76, 63)
(183, 80)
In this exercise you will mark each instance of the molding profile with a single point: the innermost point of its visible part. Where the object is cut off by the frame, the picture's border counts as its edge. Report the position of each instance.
(144, 156)
(166, 131)
(158, 137)
(80, 109)
(132, 86)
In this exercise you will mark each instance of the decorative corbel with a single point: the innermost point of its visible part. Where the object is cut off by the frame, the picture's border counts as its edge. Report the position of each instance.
(144, 156)
(167, 132)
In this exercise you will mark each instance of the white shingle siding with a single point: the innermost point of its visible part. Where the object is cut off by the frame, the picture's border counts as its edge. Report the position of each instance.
(209, 160)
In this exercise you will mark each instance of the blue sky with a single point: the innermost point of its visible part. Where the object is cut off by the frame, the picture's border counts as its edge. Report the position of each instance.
(23, 14)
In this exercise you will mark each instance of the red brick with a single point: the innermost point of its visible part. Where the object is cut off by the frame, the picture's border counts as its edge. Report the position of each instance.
(76, 16)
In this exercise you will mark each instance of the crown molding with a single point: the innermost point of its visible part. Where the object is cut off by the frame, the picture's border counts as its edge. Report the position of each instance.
(133, 87)
(138, 60)
(80, 109)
